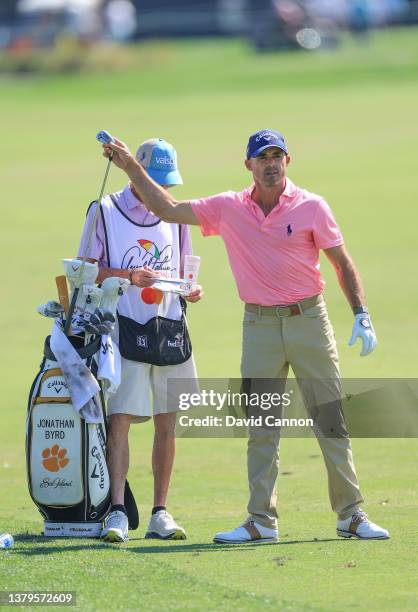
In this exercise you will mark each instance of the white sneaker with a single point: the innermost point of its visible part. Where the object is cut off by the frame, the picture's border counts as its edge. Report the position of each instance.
(250, 531)
(162, 526)
(359, 526)
(116, 527)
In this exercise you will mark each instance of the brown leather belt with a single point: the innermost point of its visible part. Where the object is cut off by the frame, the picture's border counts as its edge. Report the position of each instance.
(290, 310)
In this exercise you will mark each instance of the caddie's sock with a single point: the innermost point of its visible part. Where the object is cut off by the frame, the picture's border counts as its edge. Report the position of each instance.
(157, 509)
(119, 507)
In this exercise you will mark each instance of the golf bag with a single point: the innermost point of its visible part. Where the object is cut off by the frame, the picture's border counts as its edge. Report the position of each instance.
(66, 457)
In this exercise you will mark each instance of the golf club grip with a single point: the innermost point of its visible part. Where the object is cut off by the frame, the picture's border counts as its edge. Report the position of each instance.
(63, 298)
(67, 328)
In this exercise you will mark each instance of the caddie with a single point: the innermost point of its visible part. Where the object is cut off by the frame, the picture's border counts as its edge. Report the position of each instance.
(285, 316)
(131, 242)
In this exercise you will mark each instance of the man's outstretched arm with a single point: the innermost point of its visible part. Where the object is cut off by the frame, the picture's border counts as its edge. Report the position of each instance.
(157, 199)
(348, 275)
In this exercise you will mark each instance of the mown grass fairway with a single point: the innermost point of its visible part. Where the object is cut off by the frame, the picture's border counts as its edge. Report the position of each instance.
(351, 122)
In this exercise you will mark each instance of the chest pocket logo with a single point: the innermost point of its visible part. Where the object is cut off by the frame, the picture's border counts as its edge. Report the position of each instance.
(146, 253)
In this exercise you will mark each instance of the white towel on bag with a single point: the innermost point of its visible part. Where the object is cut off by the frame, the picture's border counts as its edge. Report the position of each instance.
(82, 385)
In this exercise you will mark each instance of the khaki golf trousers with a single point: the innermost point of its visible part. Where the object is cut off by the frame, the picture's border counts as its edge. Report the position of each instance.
(306, 342)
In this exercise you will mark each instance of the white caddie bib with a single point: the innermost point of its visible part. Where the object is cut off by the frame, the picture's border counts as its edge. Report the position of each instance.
(131, 246)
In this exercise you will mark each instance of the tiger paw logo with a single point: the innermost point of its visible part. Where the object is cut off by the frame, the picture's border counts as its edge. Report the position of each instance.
(54, 458)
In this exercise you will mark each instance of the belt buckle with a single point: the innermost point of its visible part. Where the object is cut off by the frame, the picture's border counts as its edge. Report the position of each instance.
(281, 308)
(288, 309)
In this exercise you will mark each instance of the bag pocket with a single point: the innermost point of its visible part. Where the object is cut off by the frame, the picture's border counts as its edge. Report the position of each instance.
(160, 341)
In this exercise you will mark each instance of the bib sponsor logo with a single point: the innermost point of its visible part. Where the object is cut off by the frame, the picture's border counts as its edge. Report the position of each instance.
(149, 295)
(146, 253)
(142, 341)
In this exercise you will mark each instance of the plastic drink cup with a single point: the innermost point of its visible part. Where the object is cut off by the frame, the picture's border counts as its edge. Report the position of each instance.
(191, 270)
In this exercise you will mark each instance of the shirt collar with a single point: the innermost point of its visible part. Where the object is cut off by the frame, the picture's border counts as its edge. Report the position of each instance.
(130, 200)
(289, 190)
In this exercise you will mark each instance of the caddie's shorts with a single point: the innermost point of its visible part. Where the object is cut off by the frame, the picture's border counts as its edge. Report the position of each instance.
(143, 389)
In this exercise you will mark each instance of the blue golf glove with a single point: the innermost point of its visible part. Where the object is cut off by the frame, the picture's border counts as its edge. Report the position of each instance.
(363, 329)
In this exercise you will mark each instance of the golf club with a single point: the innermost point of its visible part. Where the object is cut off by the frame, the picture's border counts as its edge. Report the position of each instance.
(105, 138)
(51, 309)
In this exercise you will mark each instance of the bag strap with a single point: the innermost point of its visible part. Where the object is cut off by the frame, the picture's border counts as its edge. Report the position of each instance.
(105, 234)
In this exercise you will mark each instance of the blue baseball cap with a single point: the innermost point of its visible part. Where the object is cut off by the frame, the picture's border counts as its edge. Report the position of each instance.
(159, 158)
(262, 140)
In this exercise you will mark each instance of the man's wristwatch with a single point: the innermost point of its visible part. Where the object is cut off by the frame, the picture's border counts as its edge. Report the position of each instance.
(360, 310)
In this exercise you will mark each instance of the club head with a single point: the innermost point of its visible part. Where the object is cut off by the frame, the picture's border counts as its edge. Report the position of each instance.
(47, 312)
(94, 320)
(92, 329)
(105, 328)
(54, 306)
(99, 313)
(79, 274)
(104, 137)
(107, 316)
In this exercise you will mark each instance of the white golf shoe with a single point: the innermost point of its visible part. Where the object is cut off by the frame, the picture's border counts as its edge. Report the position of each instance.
(116, 527)
(359, 526)
(249, 532)
(162, 526)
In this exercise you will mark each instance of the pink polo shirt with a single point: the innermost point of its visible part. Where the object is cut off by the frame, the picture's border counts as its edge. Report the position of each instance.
(274, 259)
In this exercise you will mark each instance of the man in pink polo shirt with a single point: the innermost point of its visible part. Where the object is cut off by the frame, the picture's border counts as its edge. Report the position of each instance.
(285, 318)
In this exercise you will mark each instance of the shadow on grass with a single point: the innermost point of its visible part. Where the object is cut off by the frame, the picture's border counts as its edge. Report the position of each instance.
(314, 541)
(164, 548)
(211, 547)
